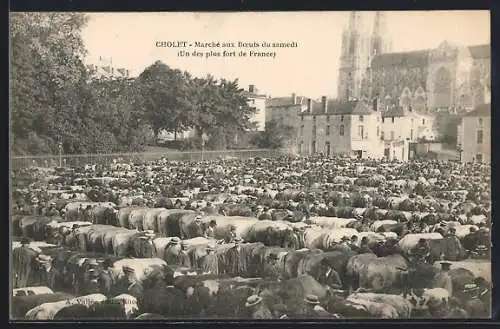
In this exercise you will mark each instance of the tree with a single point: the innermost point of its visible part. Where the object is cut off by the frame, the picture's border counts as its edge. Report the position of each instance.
(217, 108)
(274, 136)
(47, 73)
(162, 90)
(55, 99)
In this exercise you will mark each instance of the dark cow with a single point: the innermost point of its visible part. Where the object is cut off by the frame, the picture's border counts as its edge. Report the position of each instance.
(475, 239)
(448, 248)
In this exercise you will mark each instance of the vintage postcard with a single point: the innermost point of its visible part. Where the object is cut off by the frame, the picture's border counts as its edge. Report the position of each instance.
(250, 165)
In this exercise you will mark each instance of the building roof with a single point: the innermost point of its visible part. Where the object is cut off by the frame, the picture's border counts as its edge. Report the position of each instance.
(419, 58)
(480, 51)
(285, 101)
(483, 110)
(395, 111)
(336, 107)
(253, 95)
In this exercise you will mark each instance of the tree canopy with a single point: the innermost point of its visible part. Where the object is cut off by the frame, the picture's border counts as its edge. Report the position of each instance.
(56, 98)
(274, 136)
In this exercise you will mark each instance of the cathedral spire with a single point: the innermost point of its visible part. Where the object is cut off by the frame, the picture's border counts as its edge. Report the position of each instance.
(355, 54)
(379, 41)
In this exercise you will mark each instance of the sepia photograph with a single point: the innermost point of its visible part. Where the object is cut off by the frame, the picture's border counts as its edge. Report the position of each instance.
(307, 165)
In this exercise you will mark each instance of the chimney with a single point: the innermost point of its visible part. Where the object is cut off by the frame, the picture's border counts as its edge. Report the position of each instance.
(309, 105)
(294, 99)
(324, 104)
(251, 88)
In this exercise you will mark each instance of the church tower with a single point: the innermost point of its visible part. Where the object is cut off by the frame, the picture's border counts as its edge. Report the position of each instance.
(380, 43)
(363, 38)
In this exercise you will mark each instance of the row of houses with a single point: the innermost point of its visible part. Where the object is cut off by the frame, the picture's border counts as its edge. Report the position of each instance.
(369, 130)
(363, 129)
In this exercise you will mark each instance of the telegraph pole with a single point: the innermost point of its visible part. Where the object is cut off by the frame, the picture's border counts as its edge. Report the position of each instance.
(460, 150)
(60, 146)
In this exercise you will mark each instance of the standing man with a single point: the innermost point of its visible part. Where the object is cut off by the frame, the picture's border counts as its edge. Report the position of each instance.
(235, 259)
(443, 279)
(172, 251)
(292, 239)
(257, 308)
(183, 256)
(195, 229)
(209, 232)
(209, 262)
(22, 261)
(134, 286)
(270, 269)
(106, 281)
(51, 210)
(50, 276)
(420, 253)
(231, 236)
(87, 214)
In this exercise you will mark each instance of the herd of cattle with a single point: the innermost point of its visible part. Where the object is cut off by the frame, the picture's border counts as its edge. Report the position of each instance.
(262, 238)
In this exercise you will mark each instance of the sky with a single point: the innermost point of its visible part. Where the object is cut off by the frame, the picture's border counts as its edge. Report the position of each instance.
(310, 69)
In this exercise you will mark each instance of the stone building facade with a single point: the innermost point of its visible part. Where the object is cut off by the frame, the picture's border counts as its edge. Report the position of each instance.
(405, 124)
(474, 135)
(449, 77)
(340, 128)
(257, 101)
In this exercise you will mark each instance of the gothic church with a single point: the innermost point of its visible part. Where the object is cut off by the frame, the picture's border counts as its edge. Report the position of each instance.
(451, 77)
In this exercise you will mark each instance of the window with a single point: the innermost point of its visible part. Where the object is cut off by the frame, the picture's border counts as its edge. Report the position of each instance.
(341, 118)
(361, 118)
(479, 158)
(480, 137)
(327, 147)
(314, 131)
(302, 118)
(327, 118)
(383, 120)
(411, 134)
(313, 147)
(378, 130)
(314, 118)
(341, 130)
(423, 121)
(392, 135)
(480, 122)
(327, 131)
(392, 119)
(300, 147)
(412, 122)
(361, 132)
(302, 130)
(382, 135)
